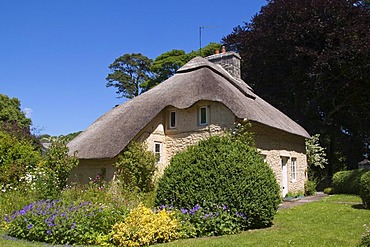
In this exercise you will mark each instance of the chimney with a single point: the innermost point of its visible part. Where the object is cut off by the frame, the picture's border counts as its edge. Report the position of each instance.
(229, 60)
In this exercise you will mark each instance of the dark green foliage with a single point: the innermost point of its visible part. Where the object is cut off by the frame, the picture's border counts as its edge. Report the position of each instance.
(309, 187)
(347, 182)
(136, 167)
(12, 119)
(129, 73)
(222, 171)
(310, 59)
(365, 189)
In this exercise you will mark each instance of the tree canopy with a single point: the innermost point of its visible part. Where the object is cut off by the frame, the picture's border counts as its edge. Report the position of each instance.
(12, 118)
(129, 72)
(133, 74)
(311, 59)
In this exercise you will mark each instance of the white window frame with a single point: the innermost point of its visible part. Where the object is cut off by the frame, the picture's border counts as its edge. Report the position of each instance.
(160, 152)
(200, 116)
(293, 170)
(170, 124)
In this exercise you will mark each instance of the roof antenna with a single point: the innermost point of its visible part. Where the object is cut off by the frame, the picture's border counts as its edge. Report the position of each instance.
(200, 37)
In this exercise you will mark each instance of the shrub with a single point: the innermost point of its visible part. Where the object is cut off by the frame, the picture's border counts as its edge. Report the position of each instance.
(365, 189)
(17, 158)
(222, 170)
(14, 200)
(347, 182)
(136, 167)
(142, 227)
(58, 222)
(53, 173)
(309, 187)
(329, 190)
(209, 220)
(365, 238)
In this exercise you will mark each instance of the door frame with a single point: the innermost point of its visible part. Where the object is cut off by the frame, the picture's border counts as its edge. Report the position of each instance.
(284, 172)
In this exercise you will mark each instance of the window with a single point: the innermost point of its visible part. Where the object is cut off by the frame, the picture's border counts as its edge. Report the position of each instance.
(294, 169)
(158, 151)
(203, 115)
(172, 120)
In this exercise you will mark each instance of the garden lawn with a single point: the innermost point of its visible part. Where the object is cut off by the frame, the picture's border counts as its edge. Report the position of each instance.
(334, 221)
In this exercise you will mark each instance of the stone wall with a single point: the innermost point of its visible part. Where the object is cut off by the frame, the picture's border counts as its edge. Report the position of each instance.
(90, 168)
(275, 145)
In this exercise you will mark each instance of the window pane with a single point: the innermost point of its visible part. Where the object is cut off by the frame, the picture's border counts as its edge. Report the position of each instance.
(203, 115)
(294, 168)
(173, 119)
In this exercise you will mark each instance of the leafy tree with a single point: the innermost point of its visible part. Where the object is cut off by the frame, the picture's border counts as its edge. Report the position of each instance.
(165, 66)
(311, 60)
(129, 73)
(12, 119)
(133, 74)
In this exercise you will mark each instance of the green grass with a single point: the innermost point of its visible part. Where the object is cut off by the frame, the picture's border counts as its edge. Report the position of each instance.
(334, 221)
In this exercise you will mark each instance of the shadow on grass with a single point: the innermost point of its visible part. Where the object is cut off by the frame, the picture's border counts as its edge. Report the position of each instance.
(359, 206)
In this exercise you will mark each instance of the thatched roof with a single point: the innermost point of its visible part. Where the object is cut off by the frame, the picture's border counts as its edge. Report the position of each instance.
(197, 80)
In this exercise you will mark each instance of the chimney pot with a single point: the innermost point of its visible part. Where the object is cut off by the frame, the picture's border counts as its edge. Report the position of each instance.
(223, 49)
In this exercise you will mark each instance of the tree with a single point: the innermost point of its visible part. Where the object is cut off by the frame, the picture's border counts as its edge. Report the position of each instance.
(12, 119)
(129, 73)
(311, 60)
(165, 66)
(134, 73)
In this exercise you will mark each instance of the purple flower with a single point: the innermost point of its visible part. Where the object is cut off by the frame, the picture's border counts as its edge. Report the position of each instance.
(224, 207)
(29, 226)
(184, 211)
(48, 232)
(194, 209)
(241, 215)
(73, 226)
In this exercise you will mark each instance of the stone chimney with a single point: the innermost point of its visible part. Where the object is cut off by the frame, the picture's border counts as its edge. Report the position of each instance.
(230, 61)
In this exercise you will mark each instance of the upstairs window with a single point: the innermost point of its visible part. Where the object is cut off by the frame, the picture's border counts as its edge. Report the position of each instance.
(172, 120)
(203, 115)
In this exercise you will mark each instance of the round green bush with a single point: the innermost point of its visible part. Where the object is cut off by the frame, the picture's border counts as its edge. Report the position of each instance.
(222, 171)
(365, 189)
(347, 182)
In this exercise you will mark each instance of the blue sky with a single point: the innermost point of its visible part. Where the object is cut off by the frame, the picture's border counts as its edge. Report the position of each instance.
(54, 55)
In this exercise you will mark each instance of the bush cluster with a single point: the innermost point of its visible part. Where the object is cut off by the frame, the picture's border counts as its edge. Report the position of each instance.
(309, 187)
(365, 189)
(210, 220)
(17, 158)
(222, 170)
(55, 221)
(142, 227)
(347, 182)
(365, 238)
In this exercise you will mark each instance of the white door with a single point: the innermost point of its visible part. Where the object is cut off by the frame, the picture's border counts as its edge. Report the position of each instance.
(284, 171)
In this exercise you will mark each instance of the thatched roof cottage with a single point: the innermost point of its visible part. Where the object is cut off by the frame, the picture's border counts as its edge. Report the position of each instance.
(205, 97)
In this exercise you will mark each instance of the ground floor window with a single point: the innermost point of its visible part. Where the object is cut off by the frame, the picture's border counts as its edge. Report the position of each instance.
(294, 169)
(158, 151)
